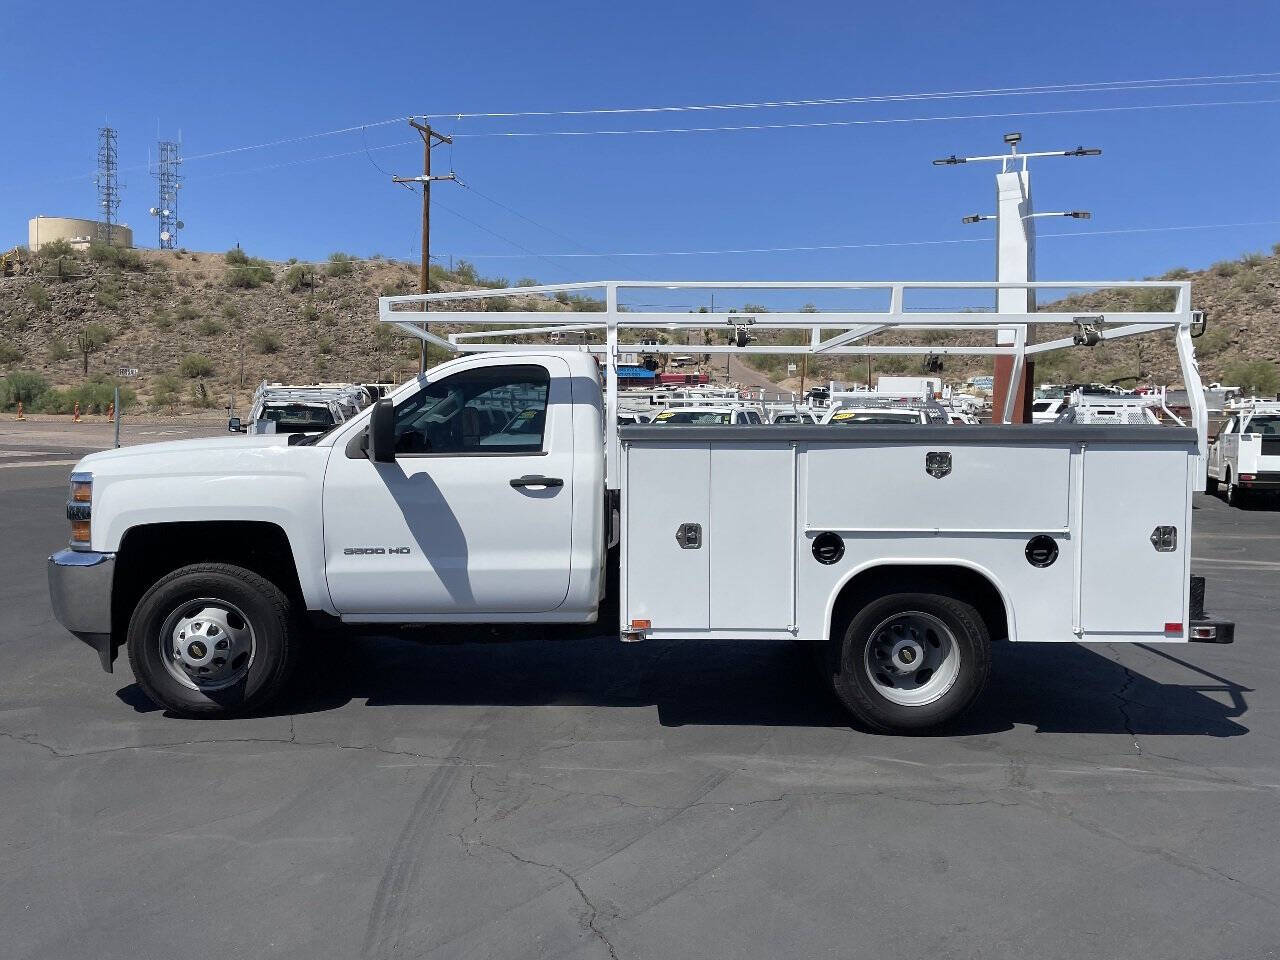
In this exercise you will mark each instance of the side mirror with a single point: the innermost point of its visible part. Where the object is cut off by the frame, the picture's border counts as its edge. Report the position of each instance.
(382, 432)
(233, 425)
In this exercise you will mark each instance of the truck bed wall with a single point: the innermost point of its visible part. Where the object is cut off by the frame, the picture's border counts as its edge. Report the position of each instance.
(762, 494)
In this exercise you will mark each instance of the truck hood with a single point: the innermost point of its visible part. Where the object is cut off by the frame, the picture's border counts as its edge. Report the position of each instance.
(265, 453)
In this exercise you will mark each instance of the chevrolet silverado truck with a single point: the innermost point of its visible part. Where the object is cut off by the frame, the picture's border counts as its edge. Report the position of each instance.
(494, 487)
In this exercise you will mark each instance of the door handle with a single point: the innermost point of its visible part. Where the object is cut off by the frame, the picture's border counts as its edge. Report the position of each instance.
(536, 480)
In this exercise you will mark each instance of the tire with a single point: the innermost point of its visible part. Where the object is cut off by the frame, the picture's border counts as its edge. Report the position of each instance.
(1210, 485)
(1235, 496)
(199, 615)
(882, 693)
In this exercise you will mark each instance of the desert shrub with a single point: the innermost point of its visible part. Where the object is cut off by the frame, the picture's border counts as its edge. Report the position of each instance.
(58, 350)
(236, 257)
(526, 282)
(1152, 301)
(1214, 340)
(186, 313)
(95, 396)
(1254, 259)
(324, 345)
(200, 396)
(53, 249)
(119, 257)
(1264, 298)
(309, 312)
(165, 390)
(107, 296)
(208, 327)
(1253, 376)
(1177, 273)
(195, 365)
(266, 341)
(340, 264)
(38, 296)
(161, 320)
(1245, 282)
(250, 276)
(298, 277)
(1226, 268)
(21, 385)
(10, 352)
(230, 311)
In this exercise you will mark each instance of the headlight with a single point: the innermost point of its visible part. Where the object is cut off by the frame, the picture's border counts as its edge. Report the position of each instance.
(80, 509)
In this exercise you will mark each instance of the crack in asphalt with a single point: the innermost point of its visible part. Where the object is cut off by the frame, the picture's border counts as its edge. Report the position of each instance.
(290, 741)
(1124, 703)
(593, 912)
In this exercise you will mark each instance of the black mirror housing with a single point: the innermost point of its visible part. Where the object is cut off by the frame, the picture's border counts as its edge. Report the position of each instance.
(233, 425)
(382, 432)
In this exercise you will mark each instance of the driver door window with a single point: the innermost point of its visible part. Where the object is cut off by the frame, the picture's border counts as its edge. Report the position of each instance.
(501, 409)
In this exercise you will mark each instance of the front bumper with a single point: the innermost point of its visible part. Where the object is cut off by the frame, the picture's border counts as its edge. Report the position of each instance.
(80, 591)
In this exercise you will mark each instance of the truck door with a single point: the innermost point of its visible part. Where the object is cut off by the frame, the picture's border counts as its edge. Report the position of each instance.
(474, 516)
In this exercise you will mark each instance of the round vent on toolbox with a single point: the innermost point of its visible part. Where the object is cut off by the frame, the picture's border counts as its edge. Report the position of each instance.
(828, 548)
(1042, 551)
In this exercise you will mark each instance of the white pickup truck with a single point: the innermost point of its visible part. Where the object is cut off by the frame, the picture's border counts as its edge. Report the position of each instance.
(493, 487)
(1244, 459)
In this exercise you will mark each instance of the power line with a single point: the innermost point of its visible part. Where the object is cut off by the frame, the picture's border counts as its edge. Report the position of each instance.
(1106, 86)
(874, 245)
(866, 122)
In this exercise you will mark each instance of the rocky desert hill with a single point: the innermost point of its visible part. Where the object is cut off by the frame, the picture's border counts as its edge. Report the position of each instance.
(203, 328)
(200, 328)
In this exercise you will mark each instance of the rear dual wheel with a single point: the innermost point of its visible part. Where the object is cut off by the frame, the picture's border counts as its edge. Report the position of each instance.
(910, 662)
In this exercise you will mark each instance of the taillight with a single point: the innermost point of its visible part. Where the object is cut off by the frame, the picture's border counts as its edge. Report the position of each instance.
(80, 509)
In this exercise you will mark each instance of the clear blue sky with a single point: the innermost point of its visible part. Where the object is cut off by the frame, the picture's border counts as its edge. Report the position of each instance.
(236, 74)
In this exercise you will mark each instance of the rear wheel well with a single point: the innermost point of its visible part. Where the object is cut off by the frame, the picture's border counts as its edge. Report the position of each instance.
(962, 583)
(149, 552)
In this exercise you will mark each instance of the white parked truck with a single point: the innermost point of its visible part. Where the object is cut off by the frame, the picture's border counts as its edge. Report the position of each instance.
(494, 487)
(1244, 459)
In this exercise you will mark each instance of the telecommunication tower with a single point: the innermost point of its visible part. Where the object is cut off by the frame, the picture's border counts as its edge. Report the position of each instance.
(168, 183)
(108, 183)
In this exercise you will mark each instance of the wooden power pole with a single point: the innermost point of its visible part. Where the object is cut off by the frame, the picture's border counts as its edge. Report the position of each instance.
(429, 139)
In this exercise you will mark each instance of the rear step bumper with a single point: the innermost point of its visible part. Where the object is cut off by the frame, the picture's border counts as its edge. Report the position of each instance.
(1202, 628)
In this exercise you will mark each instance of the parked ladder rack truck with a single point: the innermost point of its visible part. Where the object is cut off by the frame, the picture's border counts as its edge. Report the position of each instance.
(494, 487)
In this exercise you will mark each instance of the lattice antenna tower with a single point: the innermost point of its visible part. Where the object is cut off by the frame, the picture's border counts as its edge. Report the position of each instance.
(108, 183)
(168, 183)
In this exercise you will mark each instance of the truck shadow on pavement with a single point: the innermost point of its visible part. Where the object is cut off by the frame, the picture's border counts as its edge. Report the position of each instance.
(1054, 688)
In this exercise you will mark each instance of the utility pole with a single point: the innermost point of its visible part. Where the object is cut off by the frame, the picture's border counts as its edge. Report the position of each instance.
(1015, 262)
(429, 139)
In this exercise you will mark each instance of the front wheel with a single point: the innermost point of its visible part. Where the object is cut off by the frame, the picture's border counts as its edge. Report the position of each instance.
(908, 662)
(212, 640)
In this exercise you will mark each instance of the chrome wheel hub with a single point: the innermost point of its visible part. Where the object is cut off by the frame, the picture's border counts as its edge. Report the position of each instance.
(912, 658)
(207, 645)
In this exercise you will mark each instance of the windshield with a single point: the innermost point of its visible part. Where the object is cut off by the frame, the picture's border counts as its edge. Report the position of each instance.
(873, 416)
(297, 417)
(693, 416)
(1040, 406)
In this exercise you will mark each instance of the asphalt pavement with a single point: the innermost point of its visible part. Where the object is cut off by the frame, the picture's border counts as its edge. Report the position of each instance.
(586, 798)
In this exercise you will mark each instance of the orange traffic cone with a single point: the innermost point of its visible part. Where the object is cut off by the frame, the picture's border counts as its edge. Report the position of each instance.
(111, 411)
(21, 415)
(75, 414)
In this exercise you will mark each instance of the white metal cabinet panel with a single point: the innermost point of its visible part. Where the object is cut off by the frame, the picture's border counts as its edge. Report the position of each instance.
(989, 488)
(752, 538)
(666, 486)
(1126, 586)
